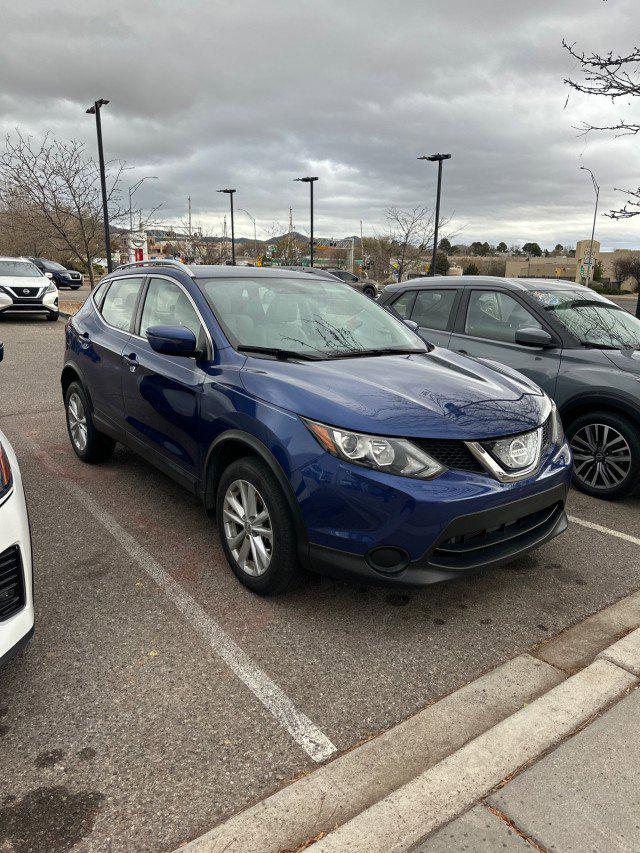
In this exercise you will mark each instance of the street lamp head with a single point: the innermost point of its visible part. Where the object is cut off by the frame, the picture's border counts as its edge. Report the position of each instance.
(226, 191)
(307, 180)
(96, 106)
(435, 157)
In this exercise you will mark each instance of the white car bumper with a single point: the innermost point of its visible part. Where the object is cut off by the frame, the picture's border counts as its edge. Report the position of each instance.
(15, 564)
(42, 303)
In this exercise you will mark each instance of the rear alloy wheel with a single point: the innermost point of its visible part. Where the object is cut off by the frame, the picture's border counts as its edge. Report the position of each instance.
(90, 444)
(606, 455)
(369, 291)
(256, 528)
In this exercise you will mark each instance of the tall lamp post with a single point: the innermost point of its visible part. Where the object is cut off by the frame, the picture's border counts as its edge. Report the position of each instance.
(255, 236)
(132, 192)
(593, 229)
(436, 158)
(233, 233)
(311, 182)
(95, 110)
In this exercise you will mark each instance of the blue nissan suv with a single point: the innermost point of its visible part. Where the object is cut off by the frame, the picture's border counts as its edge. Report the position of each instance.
(318, 428)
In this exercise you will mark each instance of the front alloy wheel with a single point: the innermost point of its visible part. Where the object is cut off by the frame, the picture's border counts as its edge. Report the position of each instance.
(247, 528)
(606, 455)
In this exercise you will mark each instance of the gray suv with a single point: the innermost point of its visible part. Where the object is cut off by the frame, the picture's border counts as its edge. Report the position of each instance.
(580, 347)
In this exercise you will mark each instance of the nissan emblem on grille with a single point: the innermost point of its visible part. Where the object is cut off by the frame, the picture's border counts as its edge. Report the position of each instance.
(25, 290)
(518, 452)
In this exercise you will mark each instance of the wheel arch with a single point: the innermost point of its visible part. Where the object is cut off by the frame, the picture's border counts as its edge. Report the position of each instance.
(578, 406)
(235, 444)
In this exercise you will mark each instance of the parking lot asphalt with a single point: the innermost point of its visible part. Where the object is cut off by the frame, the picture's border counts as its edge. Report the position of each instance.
(128, 723)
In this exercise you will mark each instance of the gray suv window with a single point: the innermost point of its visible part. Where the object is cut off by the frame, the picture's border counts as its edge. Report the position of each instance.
(497, 316)
(433, 308)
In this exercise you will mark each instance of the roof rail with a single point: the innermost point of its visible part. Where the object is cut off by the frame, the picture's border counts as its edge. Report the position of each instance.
(157, 262)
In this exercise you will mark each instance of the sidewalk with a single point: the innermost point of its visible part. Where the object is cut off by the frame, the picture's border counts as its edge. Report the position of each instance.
(584, 795)
(540, 753)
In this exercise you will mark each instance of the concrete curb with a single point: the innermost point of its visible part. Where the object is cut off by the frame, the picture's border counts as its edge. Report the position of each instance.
(434, 798)
(341, 789)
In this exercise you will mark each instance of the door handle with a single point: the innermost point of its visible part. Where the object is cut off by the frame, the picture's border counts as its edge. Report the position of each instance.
(132, 361)
(462, 351)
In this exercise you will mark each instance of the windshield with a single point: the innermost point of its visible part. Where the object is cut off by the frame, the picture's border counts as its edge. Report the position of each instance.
(314, 317)
(52, 265)
(19, 269)
(592, 319)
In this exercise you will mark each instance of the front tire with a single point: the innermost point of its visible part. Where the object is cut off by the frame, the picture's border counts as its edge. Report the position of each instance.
(53, 317)
(606, 455)
(89, 444)
(256, 528)
(369, 291)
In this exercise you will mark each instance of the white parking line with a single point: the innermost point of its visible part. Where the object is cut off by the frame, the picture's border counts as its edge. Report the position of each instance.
(601, 529)
(304, 732)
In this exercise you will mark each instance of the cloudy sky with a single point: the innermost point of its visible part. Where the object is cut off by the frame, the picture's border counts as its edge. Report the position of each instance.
(253, 93)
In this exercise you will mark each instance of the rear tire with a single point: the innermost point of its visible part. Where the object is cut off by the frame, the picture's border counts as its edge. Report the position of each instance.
(606, 455)
(256, 528)
(89, 444)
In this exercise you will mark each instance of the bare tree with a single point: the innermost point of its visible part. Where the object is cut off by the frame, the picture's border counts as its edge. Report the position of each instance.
(613, 76)
(627, 266)
(55, 186)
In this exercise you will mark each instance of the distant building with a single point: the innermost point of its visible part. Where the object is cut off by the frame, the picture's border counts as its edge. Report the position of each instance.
(573, 269)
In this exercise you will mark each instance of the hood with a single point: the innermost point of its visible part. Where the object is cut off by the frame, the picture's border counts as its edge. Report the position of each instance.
(16, 282)
(432, 395)
(625, 359)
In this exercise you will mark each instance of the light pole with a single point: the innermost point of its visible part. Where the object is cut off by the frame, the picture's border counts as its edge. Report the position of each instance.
(255, 237)
(133, 190)
(95, 110)
(436, 158)
(233, 234)
(595, 213)
(311, 182)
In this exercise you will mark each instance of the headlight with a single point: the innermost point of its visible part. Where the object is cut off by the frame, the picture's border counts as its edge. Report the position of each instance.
(394, 455)
(6, 480)
(51, 288)
(557, 430)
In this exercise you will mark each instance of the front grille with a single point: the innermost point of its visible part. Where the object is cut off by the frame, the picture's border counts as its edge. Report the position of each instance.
(12, 597)
(479, 547)
(450, 453)
(75, 275)
(29, 292)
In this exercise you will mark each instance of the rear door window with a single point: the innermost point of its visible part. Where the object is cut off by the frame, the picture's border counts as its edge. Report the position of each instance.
(119, 304)
(433, 308)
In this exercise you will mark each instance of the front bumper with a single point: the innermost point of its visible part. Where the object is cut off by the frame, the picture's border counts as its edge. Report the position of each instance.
(368, 525)
(16, 558)
(44, 304)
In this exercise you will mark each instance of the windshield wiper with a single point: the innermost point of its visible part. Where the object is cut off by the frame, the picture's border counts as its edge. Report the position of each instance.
(368, 353)
(281, 354)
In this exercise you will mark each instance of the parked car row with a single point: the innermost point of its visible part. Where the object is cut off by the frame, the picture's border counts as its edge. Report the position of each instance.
(411, 440)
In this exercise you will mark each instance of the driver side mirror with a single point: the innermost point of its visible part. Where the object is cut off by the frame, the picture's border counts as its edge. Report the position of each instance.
(534, 338)
(48, 275)
(173, 340)
(411, 324)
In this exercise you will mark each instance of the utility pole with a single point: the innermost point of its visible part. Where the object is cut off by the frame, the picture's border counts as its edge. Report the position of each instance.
(311, 182)
(593, 229)
(95, 110)
(233, 236)
(436, 158)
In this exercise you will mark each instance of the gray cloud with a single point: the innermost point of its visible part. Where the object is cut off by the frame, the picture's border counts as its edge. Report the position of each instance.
(253, 94)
